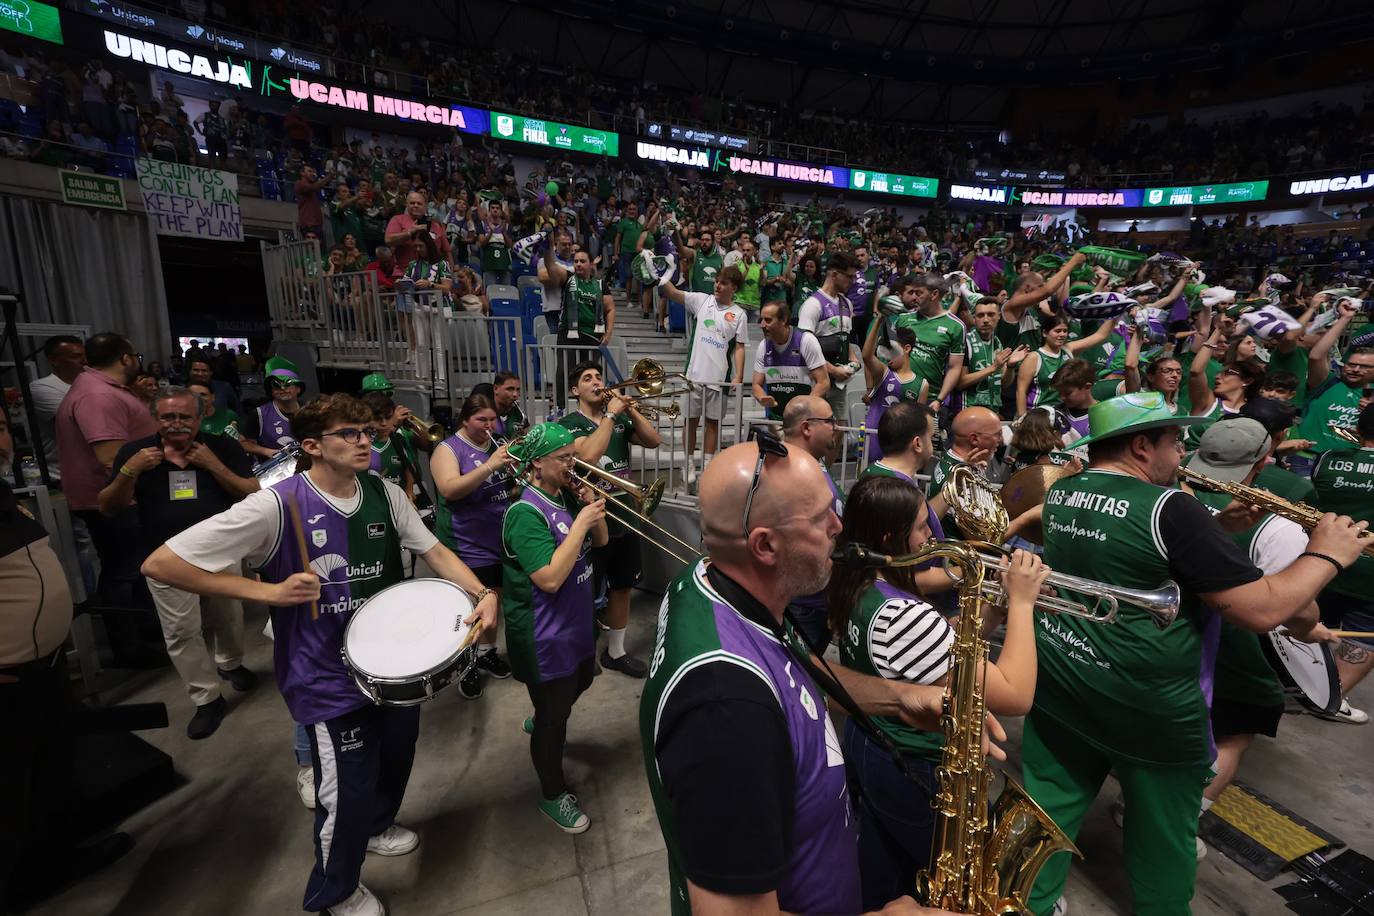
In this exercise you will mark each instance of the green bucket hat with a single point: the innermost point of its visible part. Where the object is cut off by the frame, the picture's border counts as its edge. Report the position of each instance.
(376, 381)
(1131, 413)
(541, 439)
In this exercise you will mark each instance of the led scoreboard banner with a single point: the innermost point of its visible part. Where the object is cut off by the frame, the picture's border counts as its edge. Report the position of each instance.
(1239, 192)
(551, 133)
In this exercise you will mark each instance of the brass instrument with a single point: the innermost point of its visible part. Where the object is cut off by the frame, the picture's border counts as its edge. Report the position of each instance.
(982, 862)
(647, 376)
(649, 411)
(1300, 513)
(1347, 433)
(646, 500)
(1026, 490)
(432, 432)
(978, 510)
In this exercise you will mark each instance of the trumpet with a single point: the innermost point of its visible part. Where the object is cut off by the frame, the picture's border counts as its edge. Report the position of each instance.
(433, 432)
(1299, 513)
(645, 499)
(1161, 603)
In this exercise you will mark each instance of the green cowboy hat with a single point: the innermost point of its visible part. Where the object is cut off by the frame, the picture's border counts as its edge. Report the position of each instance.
(376, 381)
(1131, 413)
(540, 440)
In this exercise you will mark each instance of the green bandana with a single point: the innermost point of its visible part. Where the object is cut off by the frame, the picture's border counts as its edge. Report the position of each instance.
(543, 439)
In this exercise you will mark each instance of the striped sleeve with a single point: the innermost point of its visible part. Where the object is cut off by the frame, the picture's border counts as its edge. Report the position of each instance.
(909, 640)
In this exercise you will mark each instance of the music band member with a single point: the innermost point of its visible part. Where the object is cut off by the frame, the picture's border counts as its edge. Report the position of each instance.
(550, 633)
(1345, 481)
(886, 629)
(1247, 698)
(742, 759)
(1127, 697)
(174, 479)
(472, 474)
(353, 526)
(388, 459)
(273, 419)
(604, 429)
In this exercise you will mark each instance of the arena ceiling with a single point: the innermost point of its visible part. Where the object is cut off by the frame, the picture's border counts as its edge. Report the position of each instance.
(945, 61)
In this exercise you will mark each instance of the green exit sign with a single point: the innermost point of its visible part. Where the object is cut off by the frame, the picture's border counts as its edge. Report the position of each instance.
(31, 19)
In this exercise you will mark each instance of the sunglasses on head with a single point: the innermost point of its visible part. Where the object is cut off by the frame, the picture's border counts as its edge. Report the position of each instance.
(768, 444)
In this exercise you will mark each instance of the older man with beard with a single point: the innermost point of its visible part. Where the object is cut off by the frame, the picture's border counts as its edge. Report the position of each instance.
(175, 478)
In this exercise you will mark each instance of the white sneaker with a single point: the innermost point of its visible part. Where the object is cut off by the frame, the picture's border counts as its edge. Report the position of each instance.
(1061, 907)
(362, 903)
(393, 841)
(1347, 713)
(1201, 849)
(305, 785)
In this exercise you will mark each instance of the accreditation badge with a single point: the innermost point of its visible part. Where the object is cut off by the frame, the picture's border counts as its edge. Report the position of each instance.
(181, 485)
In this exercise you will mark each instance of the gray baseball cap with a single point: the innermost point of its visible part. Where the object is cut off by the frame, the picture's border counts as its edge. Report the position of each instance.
(1230, 448)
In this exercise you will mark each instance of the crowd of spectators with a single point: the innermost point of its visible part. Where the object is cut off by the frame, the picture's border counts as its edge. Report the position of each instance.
(90, 109)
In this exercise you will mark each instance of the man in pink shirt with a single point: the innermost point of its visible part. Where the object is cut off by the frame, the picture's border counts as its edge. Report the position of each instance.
(403, 224)
(98, 415)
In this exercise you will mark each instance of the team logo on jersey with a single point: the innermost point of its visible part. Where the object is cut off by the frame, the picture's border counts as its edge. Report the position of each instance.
(314, 519)
(809, 704)
(562, 528)
(376, 529)
(730, 317)
(319, 537)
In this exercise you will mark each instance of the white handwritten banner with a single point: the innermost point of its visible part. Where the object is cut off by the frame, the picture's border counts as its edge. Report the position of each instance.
(187, 200)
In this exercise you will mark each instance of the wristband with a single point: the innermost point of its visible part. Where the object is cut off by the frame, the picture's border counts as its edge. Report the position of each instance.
(477, 599)
(124, 469)
(1322, 556)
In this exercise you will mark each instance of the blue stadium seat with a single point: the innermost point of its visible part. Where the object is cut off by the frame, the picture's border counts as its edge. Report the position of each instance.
(505, 303)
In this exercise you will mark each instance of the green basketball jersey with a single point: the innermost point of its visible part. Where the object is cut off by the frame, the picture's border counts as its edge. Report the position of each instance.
(979, 354)
(1127, 687)
(1345, 484)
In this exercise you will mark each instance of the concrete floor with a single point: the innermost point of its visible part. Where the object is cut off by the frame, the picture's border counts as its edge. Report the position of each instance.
(236, 840)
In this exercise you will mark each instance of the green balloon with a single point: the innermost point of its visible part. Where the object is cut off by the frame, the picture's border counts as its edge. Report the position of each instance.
(551, 188)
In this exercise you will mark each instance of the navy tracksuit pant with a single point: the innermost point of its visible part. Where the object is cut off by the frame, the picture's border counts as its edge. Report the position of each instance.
(362, 763)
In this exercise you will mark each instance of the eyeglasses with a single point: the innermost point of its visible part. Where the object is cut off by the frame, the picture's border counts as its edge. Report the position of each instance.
(829, 419)
(769, 444)
(351, 434)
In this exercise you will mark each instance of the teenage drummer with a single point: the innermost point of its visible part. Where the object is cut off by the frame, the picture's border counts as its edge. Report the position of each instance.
(323, 542)
(546, 539)
(472, 475)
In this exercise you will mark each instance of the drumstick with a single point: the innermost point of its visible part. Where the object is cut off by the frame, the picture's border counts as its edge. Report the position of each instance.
(295, 512)
(1355, 634)
(472, 635)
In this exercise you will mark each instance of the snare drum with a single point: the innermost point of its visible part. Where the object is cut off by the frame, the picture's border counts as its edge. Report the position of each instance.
(279, 467)
(406, 643)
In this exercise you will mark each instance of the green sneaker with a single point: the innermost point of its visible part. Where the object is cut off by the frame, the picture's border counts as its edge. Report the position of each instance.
(528, 725)
(564, 812)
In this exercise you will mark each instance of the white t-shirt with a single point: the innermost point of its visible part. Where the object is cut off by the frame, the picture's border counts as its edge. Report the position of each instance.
(809, 318)
(251, 528)
(811, 355)
(1277, 544)
(707, 358)
(48, 393)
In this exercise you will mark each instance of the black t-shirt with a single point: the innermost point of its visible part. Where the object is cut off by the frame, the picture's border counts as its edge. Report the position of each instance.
(726, 762)
(161, 516)
(1202, 556)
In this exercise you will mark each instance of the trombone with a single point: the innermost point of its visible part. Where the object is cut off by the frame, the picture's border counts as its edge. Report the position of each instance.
(649, 411)
(648, 376)
(646, 500)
